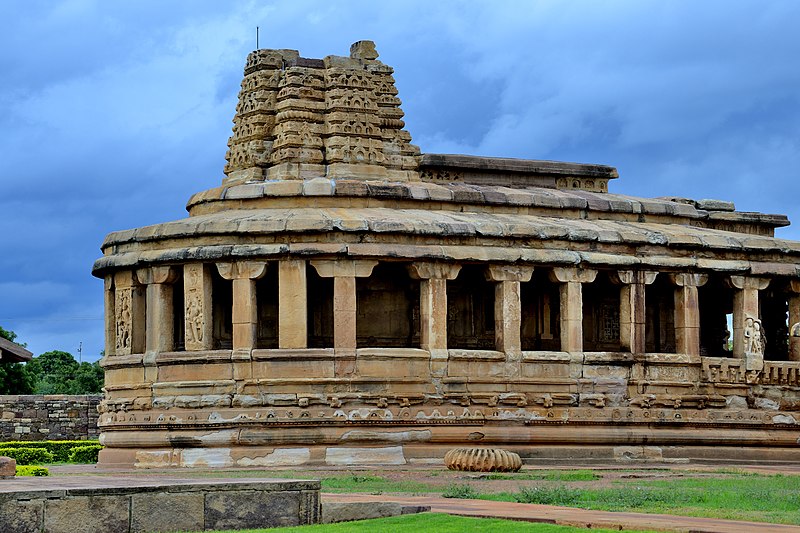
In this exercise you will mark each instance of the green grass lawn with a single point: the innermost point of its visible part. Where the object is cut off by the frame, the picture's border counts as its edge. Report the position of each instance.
(754, 497)
(440, 523)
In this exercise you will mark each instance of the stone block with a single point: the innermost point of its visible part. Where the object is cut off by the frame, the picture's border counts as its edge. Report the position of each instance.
(8, 467)
(334, 512)
(167, 511)
(87, 514)
(247, 509)
(392, 455)
(20, 516)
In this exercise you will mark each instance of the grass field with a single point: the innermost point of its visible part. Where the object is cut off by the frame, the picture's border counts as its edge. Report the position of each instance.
(440, 523)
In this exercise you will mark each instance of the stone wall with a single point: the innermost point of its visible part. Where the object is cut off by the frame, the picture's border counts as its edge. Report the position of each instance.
(55, 417)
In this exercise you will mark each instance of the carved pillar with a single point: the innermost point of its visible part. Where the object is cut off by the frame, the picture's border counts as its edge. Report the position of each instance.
(687, 312)
(632, 310)
(572, 305)
(433, 309)
(198, 309)
(129, 307)
(245, 311)
(344, 274)
(794, 320)
(160, 335)
(745, 304)
(292, 304)
(109, 316)
(507, 306)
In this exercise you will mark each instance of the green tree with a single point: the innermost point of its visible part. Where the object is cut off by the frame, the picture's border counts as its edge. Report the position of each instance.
(88, 379)
(53, 370)
(58, 372)
(15, 378)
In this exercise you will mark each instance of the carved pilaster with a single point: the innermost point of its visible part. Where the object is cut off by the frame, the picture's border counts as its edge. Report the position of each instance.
(243, 274)
(292, 304)
(129, 308)
(571, 280)
(687, 311)
(433, 309)
(160, 336)
(745, 304)
(344, 274)
(110, 318)
(794, 320)
(198, 307)
(508, 307)
(632, 311)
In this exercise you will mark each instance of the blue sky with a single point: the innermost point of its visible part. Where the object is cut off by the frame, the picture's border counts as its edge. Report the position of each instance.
(113, 113)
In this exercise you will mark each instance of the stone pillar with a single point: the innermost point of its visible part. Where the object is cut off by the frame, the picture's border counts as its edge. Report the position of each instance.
(160, 336)
(433, 309)
(245, 311)
(198, 306)
(292, 304)
(129, 307)
(745, 304)
(572, 304)
(794, 320)
(507, 306)
(110, 316)
(687, 312)
(632, 310)
(344, 274)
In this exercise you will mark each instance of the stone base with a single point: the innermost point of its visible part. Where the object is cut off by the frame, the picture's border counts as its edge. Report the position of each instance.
(131, 504)
(257, 456)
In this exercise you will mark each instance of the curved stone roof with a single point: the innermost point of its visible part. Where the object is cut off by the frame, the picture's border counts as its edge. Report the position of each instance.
(440, 234)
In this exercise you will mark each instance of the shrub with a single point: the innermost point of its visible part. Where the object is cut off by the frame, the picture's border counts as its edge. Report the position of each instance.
(59, 448)
(28, 456)
(32, 470)
(464, 492)
(85, 454)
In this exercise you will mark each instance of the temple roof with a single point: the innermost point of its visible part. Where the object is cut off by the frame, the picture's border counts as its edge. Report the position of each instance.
(11, 352)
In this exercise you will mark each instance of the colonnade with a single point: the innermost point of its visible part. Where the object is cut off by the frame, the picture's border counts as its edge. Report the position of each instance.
(140, 313)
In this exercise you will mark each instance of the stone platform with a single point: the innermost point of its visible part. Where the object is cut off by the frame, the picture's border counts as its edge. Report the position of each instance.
(132, 504)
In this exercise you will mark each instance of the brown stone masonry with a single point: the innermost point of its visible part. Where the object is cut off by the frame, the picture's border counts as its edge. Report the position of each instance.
(343, 299)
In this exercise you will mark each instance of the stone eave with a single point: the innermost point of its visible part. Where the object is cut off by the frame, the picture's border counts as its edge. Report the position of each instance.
(11, 352)
(232, 233)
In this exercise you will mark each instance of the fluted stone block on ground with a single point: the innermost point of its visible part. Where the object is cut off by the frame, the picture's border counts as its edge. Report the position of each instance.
(482, 460)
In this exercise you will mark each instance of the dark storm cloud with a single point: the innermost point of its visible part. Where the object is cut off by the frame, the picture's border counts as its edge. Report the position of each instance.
(112, 114)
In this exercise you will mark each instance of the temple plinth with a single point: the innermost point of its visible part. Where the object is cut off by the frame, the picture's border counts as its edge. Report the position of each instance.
(343, 299)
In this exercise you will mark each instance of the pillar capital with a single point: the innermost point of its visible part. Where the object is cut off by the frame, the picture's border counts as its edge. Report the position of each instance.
(747, 282)
(572, 274)
(794, 286)
(433, 271)
(686, 279)
(125, 279)
(629, 277)
(509, 273)
(156, 274)
(242, 270)
(343, 268)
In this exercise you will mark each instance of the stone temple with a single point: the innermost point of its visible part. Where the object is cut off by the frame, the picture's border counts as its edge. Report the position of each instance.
(343, 299)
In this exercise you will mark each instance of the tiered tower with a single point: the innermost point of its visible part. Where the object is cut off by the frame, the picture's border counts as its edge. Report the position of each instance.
(337, 117)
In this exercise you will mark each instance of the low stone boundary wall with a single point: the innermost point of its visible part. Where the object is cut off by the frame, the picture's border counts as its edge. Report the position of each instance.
(127, 504)
(52, 417)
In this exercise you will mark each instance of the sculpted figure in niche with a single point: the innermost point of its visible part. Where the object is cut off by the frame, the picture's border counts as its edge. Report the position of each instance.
(754, 340)
(194, 318)
(124, 320)
(795, 331)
